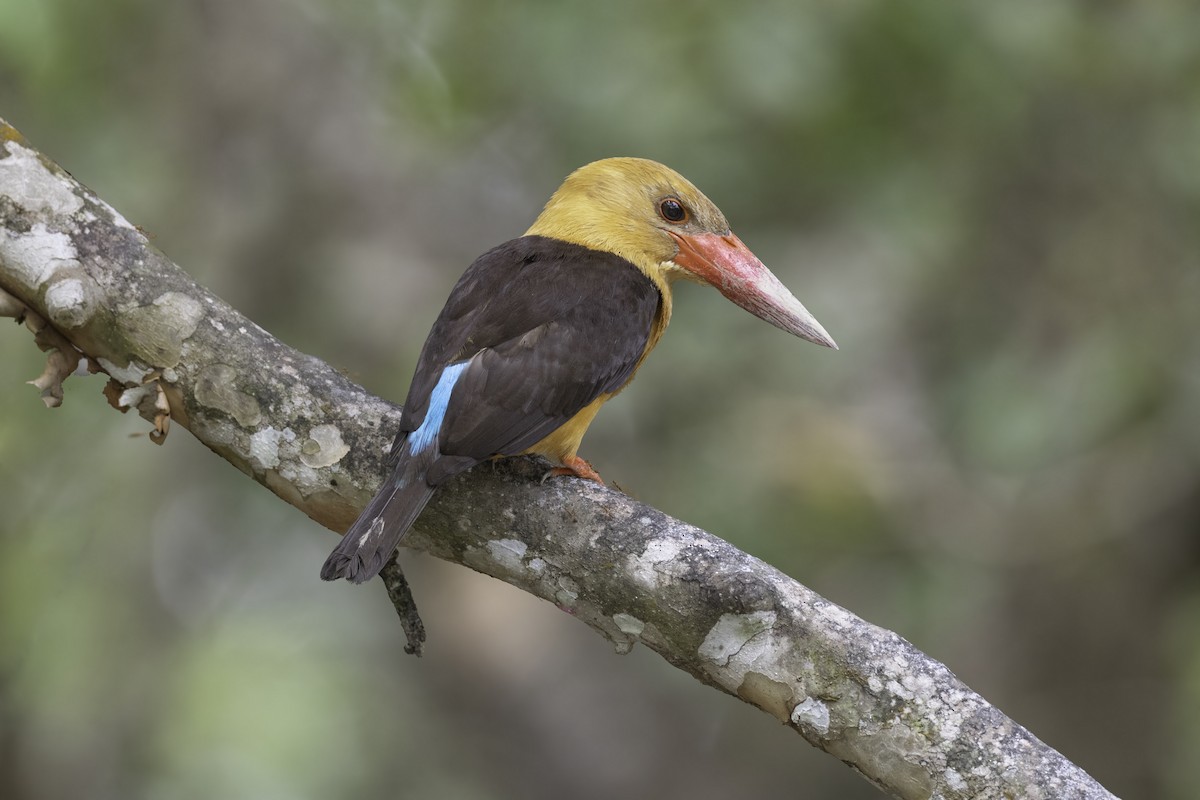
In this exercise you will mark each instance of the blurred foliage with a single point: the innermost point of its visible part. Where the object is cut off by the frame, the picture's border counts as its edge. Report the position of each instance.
(992, 207)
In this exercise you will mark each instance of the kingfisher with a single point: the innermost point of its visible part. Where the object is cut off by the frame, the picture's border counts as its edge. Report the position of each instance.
(542, 330)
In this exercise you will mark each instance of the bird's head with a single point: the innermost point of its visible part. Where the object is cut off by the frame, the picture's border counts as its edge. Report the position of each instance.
(654, 217)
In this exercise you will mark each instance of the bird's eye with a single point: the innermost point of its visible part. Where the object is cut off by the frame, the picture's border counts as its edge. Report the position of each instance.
(672, 210)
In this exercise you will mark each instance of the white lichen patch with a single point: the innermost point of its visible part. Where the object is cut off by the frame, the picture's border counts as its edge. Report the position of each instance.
(645, 568)
(627, 623)
(264, 448)
(505, 556)
(298, 475)
(732, 634)
(954, 780)
(509, 554)
(323, 447)
(896, 667)
(567, 594)
(182, 310)
(812, 713)
(951, 723)
(745, 654)
(37, 255)
(32, 187)
(132, 373)
(131, 398)
(920, 686)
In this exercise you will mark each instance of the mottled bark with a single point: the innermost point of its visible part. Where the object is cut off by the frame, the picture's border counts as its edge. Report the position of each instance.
(90, 284)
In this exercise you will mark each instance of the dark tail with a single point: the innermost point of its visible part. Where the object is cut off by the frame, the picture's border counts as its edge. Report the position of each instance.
(377, 532)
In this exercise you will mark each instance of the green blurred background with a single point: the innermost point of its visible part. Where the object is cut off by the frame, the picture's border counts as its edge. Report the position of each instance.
(991, 206)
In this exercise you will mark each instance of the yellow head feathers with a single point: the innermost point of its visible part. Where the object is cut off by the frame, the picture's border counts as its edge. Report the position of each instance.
(616, 205)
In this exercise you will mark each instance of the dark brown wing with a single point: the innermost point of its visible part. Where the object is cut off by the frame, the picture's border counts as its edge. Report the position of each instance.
(547, 327)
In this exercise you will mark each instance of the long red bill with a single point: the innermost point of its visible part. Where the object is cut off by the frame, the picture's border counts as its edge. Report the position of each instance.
(728, 265)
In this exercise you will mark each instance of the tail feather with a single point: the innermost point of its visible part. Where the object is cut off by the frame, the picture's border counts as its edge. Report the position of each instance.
(374, 536)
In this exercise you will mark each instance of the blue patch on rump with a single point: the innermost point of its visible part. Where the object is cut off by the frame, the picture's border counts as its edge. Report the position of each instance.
(426, 435)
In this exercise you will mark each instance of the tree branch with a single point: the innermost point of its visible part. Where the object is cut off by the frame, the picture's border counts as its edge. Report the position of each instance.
(318, 441)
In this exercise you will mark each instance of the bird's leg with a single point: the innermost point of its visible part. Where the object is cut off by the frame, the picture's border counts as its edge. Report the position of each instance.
(574, 465)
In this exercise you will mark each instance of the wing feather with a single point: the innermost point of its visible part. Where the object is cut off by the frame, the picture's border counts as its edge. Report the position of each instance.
(547, 327)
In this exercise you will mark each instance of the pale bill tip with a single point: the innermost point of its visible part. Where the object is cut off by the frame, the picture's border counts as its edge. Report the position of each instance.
(821, 337)
(805, 325)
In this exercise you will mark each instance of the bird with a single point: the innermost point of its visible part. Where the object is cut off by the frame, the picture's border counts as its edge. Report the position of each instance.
(542, 330)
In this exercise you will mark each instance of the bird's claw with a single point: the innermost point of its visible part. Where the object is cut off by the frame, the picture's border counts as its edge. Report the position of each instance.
(577, 467)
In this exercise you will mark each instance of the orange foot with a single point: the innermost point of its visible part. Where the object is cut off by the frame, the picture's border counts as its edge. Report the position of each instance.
(574, 465)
